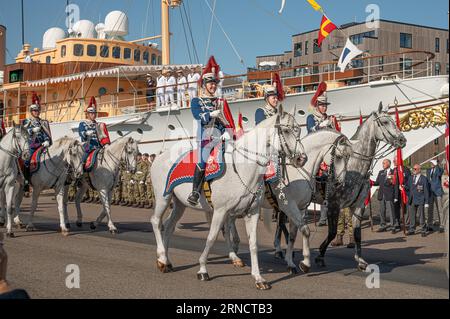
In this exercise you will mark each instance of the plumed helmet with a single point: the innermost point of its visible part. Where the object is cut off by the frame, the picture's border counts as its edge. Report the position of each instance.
(92, 107)
(210, 72)
(35, 104)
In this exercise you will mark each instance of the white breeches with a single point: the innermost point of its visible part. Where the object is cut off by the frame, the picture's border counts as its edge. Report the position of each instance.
(170, 97)
(160, 99)
(181, 98)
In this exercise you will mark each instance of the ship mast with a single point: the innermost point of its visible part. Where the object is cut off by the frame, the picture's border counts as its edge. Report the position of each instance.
(165, 30)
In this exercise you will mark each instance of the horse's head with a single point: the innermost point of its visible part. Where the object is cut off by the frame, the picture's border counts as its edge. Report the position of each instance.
(288, 136)
(385, 128)
(342, 153)
(20, 137)
(74, 158)
(129, 154)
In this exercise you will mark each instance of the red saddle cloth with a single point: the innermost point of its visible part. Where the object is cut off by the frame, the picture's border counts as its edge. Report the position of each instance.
(91, 161)
(183, 169)
(35, 160)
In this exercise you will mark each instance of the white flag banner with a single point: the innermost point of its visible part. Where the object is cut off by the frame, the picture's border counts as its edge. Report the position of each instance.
(349, 53)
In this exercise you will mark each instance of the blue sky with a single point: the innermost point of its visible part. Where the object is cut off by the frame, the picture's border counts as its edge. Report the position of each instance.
(254, 26)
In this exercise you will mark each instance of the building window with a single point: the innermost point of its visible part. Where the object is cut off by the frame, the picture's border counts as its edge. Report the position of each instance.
(137, 55)
(116, 52)
(145, 57)
(406, 40)
(78, 49)
(306, 47)
(92, 50)
(357, 64)
(104, 51)
(298, 49)
(63, 51)
(437, 45)
(381, 63)
(316, 48)
(127, 53)
(359, 38)
(315, 67)
(437, 68)
(48, 59)
(153, 59)
(406, 65)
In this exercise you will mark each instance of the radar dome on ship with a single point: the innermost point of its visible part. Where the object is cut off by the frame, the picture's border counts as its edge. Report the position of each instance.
(84, 29)
(51, 36)
(116, 24)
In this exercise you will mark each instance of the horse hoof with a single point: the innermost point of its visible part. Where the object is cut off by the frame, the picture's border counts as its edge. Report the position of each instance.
(320, 261)
(20, 226)
(113, 231)
(238, 263)
(362, 267)
(79, 224)
(30, 228)
(263, 285)
(292, 270)
(10, 235)
(203, 277)
(279, 255)
(163, 267)
(92, 226)
(65, 233)
(304, 268)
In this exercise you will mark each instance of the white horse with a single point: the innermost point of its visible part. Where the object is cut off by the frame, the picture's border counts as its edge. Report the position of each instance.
(237, 192)
(14, 145)
(104, 176)
(326, 145)
(61, 160)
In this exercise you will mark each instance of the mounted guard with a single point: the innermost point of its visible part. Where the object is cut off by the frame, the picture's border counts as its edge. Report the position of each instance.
(40, 138)
(319, 118)
(215, 123)
(94, 134)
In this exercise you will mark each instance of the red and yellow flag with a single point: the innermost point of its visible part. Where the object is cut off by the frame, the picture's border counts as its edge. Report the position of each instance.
(240, 127)
(314, 4)
(326, 27)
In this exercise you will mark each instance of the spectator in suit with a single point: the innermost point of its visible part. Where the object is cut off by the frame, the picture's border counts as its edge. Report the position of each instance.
(434, 176)
(386, 197)
(397, 192)
(418, 199)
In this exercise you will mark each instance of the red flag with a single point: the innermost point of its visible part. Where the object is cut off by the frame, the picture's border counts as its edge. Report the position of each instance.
(400, 169)
(326, 27)
(447, 150)
(240, 127)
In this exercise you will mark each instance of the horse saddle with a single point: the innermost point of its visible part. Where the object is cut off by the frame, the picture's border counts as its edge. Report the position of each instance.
(35, 160)
(91, 160)
(183, 169)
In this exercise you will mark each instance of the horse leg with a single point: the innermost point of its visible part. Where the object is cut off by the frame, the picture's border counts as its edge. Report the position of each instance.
(9, 194)
(356, 219)
(2, 209)
(65, 201)
(161, 205)
(62, 221)
(251, 224)
(169, 227)
(34, 202)
(293, 230)
(218, 220)
(78, 197)
(17, 204)
(105, 197)
(333, 216)
(235, 236)
(229, 227)
(305, 265)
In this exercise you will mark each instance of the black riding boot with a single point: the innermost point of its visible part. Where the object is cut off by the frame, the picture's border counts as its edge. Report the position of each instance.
(196, 186)
(26, 175)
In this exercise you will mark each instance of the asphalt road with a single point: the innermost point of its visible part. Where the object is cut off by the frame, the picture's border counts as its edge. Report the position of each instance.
(124, 265)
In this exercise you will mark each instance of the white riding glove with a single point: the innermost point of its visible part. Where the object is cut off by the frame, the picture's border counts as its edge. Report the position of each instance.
(89, 133)
(36, 129)
(426, 205)
(395, 200)
(325, 123)
(46, 144)
(226, 136)
(215, 113)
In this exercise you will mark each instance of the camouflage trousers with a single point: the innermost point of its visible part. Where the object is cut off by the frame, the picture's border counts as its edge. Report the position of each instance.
(149, 193)
(345, 219)
(117, 193)
(138, 191)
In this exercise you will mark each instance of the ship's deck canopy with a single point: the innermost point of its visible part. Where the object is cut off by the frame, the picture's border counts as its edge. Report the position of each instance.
(128, 71)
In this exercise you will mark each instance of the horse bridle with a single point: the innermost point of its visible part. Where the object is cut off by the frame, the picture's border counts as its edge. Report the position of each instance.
(119, 160)
(16, 146)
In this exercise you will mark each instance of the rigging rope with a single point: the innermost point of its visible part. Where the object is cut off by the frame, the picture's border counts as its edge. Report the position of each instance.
(185, 37)
(190, 32)
(210, 31)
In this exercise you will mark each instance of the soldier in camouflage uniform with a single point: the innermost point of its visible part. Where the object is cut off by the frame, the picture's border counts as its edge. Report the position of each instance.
(126, 178)
(140, 177)
(345, 219)
(149, 193)
(117, 190)
(72, 191)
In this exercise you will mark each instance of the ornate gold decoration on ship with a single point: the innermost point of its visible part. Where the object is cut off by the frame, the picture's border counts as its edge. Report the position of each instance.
(424, 118)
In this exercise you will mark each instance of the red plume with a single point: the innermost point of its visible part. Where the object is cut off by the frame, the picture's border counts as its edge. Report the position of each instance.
(35, 99)
(279, 86)
(93, 102)
(212, 64)
(320, 90)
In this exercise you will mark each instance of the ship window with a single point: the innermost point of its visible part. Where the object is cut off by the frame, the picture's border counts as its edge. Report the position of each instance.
(154, 59)
(48, 59)
(78, 49)
(127, 53)
(102, 91)
(116, 52)
(104, 51)
(137, 55)
(63, 51)
(92, 50)
(145, 57)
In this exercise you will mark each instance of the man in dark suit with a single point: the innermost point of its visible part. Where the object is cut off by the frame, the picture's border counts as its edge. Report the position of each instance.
(434, 176)
(418, 199)
(386, 197)
(397, 192)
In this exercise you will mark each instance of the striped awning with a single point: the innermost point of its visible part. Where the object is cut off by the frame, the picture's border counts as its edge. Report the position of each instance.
(128, 70)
